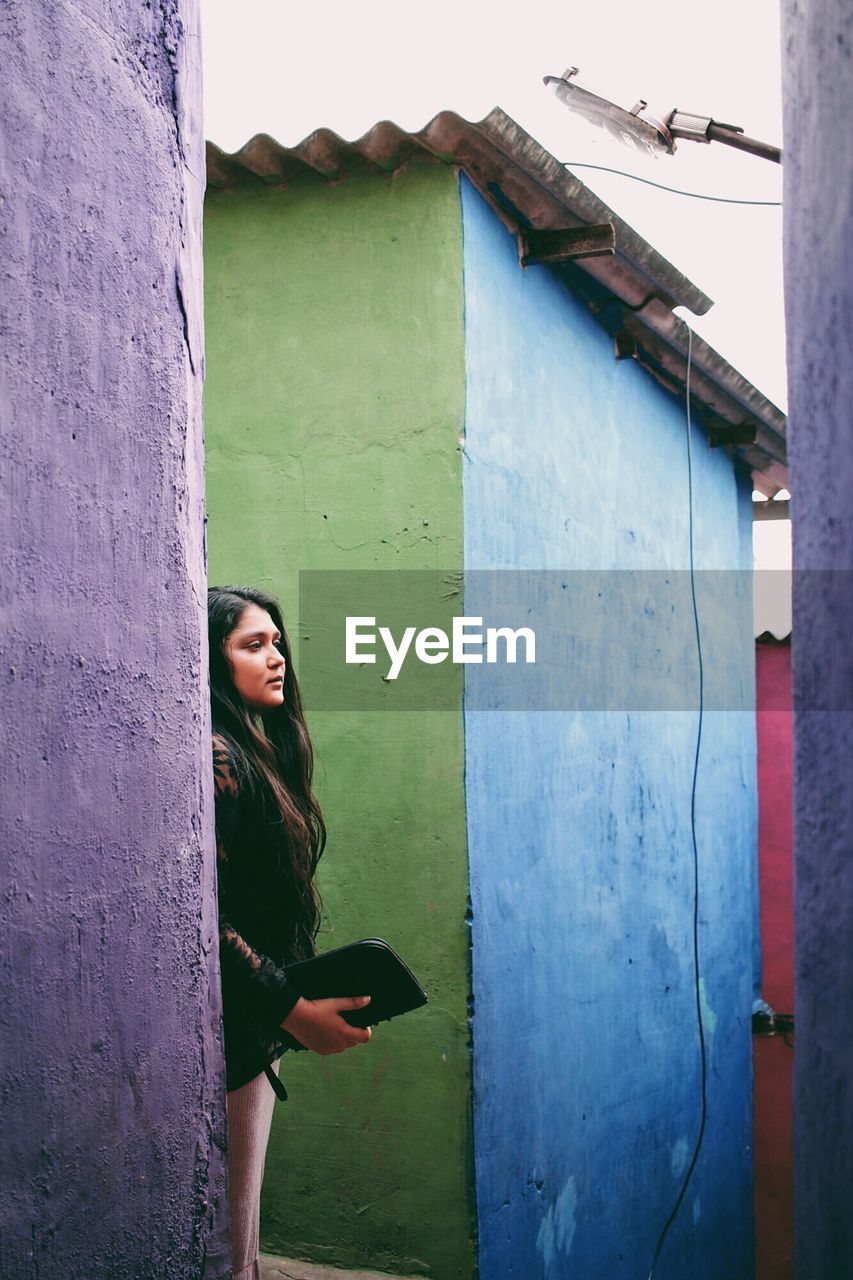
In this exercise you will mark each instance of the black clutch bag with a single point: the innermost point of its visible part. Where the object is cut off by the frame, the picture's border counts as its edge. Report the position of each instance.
(366, 968)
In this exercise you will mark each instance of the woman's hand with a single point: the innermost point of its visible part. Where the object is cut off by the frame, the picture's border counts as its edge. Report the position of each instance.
(319, 1026)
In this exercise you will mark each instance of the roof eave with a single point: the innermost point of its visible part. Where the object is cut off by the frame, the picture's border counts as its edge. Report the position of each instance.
(530, 189)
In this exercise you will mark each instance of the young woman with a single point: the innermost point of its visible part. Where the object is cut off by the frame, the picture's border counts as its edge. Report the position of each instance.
(269, 837)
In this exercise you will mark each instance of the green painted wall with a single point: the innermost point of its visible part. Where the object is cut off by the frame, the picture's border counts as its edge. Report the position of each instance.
(334, 408)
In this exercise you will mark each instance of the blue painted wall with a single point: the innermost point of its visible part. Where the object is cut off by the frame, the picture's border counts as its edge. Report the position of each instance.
(586, 1060)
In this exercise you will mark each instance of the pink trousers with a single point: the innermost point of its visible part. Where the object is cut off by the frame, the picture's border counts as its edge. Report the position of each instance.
(249, 1112)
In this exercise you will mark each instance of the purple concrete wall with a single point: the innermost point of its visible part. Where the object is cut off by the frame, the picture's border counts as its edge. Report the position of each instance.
(818, 43)
(111, 1084)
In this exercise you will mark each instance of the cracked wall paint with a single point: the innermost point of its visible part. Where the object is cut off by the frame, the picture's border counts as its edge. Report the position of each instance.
(580, 853)
(680, 1153)
(709, 1018)
(557, 1231)
(334, 405)
(112, 1041)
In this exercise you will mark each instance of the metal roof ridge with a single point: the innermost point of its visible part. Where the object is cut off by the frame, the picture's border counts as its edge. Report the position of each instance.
(531, 190)
(497, 124)
(325, 151)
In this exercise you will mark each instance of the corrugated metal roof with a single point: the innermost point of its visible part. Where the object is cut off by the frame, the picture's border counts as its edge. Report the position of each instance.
(632, 292)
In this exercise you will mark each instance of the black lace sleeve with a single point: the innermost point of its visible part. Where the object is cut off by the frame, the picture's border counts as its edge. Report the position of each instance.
(259, 983)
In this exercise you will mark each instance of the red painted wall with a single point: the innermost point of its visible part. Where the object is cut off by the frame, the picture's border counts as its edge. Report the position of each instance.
(773, 1058)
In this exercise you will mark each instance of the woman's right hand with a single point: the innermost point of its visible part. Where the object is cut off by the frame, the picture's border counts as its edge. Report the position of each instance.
(319, 1026)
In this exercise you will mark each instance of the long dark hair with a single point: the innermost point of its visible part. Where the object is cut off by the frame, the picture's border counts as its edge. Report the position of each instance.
(276, 762)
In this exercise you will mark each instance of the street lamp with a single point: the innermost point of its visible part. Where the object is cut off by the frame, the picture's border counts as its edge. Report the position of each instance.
(639, 128)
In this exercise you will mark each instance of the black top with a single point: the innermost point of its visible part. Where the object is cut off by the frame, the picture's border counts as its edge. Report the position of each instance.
(257, 933)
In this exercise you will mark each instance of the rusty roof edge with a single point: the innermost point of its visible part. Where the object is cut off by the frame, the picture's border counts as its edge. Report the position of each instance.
(550, 172)
(441, 137)
(734, 383)
(527, 165)
(740, 400)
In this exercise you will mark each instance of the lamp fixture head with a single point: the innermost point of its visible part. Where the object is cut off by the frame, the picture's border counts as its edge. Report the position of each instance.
(637, 127)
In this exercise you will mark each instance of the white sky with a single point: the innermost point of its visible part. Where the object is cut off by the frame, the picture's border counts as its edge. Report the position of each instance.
(271, 66)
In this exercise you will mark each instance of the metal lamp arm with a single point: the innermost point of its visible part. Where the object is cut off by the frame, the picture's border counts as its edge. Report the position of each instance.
(681, 124)
(641, 129)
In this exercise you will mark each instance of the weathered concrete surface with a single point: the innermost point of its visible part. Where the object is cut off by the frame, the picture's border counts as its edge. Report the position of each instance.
(111, 1083)
(334, 407)
(818, 52)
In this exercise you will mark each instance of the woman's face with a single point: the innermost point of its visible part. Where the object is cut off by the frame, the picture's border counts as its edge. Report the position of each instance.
(257, 664)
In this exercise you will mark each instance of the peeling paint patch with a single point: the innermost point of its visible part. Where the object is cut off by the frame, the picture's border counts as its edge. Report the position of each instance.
(679, 1157)
(709, 1018)
(558, 1226)
(697, 1210)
